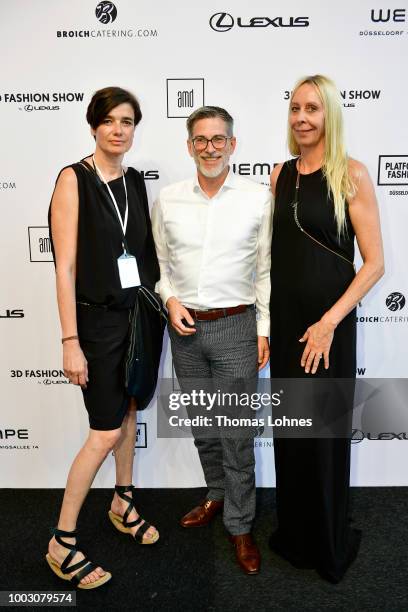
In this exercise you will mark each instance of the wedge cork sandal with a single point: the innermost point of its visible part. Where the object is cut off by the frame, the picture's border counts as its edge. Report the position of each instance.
(121, 523)
(85, 566)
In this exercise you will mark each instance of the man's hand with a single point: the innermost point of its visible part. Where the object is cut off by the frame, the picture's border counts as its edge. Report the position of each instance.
(263, 352)
(177, 313)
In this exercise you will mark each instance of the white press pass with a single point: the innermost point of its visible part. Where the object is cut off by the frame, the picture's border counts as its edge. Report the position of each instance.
(128, 271)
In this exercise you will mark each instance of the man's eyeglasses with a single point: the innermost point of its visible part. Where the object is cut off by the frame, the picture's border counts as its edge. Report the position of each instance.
(200, 143)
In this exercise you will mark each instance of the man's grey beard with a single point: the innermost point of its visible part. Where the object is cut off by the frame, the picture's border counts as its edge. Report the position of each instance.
(214, 172)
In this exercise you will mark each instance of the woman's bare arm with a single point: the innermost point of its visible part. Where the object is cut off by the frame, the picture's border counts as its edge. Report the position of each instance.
(64, 228)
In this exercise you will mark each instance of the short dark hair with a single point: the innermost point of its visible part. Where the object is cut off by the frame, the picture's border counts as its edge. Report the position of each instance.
(104, 100)
(207, 112)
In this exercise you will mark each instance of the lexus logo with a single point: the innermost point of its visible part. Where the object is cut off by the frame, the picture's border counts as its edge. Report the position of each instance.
(106, 12)
(395, 301)
(357, 436)
(221, 22)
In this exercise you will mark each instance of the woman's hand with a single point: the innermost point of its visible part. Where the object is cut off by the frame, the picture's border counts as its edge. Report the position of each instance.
(74, 363)
(318, 338)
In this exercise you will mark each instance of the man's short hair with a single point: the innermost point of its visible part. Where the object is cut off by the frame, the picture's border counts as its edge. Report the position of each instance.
(208, 112)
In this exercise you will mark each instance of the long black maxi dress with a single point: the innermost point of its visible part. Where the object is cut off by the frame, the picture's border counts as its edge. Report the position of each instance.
(312, 474)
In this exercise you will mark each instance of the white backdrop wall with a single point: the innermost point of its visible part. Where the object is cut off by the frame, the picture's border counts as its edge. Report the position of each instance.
(175, 57)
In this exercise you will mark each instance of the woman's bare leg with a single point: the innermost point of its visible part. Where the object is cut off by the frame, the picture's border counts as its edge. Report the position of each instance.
(81, 475)
(124, 458)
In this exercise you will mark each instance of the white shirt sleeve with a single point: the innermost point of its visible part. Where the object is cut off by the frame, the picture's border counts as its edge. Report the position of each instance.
(263, 267)
(163, 286)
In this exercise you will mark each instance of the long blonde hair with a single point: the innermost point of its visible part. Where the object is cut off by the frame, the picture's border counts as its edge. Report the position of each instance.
(335, 160)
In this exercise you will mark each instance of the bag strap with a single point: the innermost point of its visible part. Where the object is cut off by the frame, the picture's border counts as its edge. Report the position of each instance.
(154, 301)
(87, 165)
(295, 215)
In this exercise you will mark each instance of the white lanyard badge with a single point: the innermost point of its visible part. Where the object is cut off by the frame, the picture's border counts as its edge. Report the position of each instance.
(123, 223)
(127, 264)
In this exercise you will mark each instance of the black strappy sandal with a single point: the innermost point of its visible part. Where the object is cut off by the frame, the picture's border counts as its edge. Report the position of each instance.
(121, 523)
(63, 571)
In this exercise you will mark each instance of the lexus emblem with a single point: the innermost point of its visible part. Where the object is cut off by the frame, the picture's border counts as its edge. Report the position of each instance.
(221, 22)
(357, 436)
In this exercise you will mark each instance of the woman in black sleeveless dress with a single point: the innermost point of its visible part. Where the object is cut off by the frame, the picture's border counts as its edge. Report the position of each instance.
(95, 204)
(323, 200)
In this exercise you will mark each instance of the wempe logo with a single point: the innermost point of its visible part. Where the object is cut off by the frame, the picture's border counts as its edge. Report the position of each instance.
(20, 434)
(392, 170)
(248, 169)
(223, 22)
(261, 169)
(12, 438)
(386, 17)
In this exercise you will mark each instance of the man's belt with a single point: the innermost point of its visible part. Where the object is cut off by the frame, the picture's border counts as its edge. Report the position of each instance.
(217, 313)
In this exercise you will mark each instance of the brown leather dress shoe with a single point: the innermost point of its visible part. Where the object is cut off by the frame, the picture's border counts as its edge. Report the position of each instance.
(246, 552)
(202, 514)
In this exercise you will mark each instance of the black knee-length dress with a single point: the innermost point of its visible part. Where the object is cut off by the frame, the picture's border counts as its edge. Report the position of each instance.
(312, 474)
(103, 307)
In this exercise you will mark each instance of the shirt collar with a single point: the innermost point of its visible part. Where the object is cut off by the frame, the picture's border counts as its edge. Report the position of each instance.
(229, 183)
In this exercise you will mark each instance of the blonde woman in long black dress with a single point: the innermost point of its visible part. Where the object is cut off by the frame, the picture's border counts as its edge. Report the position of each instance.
(324, 199)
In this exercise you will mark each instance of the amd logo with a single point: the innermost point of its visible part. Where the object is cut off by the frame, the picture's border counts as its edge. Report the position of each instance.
(385, 15)
(21, 434)
(141, 435)
(184, 95)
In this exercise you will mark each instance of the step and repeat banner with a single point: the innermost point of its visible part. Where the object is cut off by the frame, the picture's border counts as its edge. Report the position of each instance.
(176, 57)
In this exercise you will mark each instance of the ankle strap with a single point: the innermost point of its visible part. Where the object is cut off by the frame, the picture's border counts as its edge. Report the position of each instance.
(124, 488)
(58, 534)
(64, 534)
(121, 490)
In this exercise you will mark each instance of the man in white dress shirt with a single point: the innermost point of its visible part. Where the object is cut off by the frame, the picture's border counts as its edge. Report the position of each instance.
(213, 235)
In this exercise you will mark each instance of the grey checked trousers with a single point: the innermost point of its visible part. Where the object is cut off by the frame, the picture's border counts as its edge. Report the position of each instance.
(224, 353)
